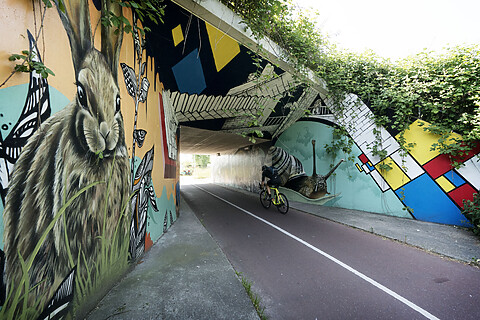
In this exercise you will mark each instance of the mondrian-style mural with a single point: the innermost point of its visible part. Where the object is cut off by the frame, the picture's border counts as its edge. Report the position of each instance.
(423, 180)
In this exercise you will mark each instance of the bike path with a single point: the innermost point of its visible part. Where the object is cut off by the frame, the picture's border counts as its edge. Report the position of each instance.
(186, 274)
(379, 279)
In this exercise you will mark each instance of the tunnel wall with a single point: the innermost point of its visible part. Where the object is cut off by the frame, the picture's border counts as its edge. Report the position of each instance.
(74, 207)
(427, 189)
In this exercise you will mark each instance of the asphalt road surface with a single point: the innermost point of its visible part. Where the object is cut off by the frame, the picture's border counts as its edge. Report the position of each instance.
(305, 267)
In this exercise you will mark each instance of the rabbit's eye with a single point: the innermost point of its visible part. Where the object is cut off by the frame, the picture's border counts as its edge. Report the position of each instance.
(82, 98)
(117, 104)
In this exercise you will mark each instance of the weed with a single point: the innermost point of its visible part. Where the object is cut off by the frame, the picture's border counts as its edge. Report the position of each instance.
(257, 303)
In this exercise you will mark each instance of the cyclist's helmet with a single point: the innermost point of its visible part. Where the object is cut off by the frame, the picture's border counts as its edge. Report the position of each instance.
(264, 167)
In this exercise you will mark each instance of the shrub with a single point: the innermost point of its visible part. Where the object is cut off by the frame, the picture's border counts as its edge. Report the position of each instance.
(471, 210)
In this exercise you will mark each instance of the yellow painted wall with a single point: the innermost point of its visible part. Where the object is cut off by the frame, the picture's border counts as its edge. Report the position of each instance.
(18, 16)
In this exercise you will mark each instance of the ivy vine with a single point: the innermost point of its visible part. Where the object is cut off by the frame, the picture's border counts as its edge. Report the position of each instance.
(441, 88)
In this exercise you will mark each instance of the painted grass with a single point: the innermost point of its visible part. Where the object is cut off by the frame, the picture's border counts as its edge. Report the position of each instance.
(19, 296)
(109, 265)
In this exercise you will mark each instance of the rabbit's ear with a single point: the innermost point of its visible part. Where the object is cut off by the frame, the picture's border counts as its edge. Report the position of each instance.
(75, 17)
(112, 36)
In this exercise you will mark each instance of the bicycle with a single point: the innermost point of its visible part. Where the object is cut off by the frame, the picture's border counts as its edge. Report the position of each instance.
(278, 199)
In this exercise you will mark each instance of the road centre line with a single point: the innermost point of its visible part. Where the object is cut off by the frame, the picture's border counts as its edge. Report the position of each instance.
(395, 295)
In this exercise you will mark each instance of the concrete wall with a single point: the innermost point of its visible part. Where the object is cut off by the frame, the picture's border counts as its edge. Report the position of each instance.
(74, 209)
(423, 187)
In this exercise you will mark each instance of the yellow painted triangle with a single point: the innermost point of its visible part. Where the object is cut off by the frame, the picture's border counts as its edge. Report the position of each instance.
(224, 48)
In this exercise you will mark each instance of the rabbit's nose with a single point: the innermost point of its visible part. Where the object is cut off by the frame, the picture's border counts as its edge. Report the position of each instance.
(105, 136)
(109, 137)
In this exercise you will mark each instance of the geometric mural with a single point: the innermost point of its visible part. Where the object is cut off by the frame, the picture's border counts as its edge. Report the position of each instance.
(189, 74)
(224, 48)
(423, 179)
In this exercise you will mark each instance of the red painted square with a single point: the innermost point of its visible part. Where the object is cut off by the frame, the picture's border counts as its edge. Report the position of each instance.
(363, 158)
(473, 152)
(441, 164)
(465, 191)
(438, 166)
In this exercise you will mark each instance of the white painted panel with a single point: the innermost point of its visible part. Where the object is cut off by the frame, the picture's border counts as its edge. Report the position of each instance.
(380, 181)
(413, 168)
(471, 172)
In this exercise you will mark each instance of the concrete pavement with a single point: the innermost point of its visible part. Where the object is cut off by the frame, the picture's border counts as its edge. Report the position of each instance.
(186, 276)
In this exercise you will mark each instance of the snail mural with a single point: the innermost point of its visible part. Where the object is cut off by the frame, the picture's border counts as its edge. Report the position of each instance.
(293, 175)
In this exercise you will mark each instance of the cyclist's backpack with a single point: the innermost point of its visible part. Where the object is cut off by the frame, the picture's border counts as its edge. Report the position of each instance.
(274, 172)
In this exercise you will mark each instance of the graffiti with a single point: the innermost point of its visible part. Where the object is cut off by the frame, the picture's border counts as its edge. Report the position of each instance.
(35, 111)
(70, 181)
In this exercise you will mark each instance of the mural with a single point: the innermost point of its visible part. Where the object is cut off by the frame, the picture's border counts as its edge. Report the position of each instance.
(294, 177)
(59, 204)
(213, 82)
(79, 203)
(31, 117)
(423, 179)
(422, 185)
(143, 192)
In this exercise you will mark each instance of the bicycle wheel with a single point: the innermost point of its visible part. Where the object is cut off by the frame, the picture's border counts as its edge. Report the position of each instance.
(265, 199)
(283, 203)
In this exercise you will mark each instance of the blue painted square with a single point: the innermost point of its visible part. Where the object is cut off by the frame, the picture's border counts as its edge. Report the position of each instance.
(454, 178)
(430, 203)
(189, 74)
(369, 166)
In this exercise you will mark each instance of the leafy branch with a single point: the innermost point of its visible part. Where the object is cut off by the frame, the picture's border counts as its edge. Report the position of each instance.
(29, 65)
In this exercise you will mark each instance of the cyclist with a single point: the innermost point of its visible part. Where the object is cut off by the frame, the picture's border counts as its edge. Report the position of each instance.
(272, 174)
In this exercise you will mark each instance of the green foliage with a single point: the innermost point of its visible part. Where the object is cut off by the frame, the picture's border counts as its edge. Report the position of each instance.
(471, 210)
(341, 141)
(202, 160)
(440, 88)
(293, 31)
(28, 65)
(153, 10)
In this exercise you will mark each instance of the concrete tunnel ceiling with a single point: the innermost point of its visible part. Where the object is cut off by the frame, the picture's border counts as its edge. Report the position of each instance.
(214, 83)
(201, 141)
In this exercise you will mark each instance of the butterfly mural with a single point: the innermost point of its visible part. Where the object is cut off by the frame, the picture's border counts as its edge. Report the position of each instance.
(141, 183)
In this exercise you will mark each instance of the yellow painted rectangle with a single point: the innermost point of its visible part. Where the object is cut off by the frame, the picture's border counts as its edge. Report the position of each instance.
(423, 141)
(446, 185)
(395, 177)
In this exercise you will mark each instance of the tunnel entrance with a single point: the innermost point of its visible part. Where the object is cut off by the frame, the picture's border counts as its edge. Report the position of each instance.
(195, 169)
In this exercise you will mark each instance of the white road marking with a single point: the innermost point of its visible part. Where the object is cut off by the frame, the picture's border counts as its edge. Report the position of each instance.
(412, 305)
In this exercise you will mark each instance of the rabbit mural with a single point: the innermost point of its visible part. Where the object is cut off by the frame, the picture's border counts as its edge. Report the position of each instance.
(77, 160)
